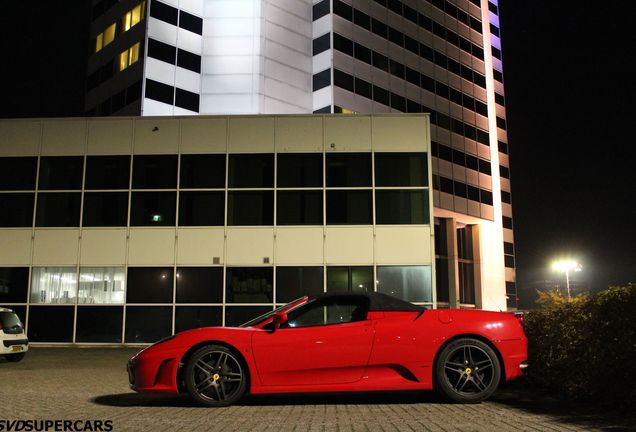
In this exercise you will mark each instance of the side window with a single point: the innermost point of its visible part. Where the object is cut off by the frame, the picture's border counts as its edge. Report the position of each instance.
(328, 312)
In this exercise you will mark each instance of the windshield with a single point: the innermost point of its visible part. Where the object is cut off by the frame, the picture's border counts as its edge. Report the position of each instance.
(9, 320)
(261, 318)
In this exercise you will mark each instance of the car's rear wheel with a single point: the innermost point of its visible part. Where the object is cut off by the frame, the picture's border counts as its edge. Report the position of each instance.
(215, 376)
(15, 357)
(467, 371)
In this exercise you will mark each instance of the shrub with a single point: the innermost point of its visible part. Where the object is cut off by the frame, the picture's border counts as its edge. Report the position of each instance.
(585, 348)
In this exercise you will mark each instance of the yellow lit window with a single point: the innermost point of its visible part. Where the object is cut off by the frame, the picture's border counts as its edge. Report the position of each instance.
(348, 111)
(99, 42)
(109, 34)
(129, 57)
(105, 37)
(133, 16)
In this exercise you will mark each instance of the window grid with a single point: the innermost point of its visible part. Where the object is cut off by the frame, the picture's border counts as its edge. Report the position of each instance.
(173, 305)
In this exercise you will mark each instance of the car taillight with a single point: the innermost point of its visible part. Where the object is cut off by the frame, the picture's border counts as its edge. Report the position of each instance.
(519, 316)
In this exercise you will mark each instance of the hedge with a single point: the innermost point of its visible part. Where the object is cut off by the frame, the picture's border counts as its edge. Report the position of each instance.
(585, 348)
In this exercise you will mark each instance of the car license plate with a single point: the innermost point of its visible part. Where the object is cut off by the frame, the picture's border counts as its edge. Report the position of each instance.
(16, 348)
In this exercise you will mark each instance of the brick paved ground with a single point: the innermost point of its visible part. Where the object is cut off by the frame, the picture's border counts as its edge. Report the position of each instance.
(91, 383)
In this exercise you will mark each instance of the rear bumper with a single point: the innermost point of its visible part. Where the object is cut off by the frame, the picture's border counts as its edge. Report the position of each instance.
(515, 357)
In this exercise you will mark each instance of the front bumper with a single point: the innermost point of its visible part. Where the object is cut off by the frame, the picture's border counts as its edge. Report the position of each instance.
(14, 345)
(153, 372)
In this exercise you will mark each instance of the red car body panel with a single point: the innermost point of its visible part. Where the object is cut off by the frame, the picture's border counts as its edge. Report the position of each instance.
(387, 351)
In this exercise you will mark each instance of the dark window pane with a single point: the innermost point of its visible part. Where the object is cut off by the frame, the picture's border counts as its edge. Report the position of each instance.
(250, 208)
(147, 324)
(164, 12)
(249, 285)
(348, 169)
(61, 172)
(105, 209)
(343, 44)
(509, 248)
(321, 79)
(362, 53)
(380, 95)
(149, 285)
(343, 80)
(99, 324)
(191, 317)
(107, 172)
(410, 283)
(14, 282)
(322, 43)
(162, 51)
(187, 100)
(363, 88)
(202, 171)
(58, 209)
(506, 197)
(441, 279)
(18, 173)
(201, 208)
(349, 207)
(380, 61)
(401, 207)
(466, 283)
(320, 9)
(155, 172)
(299, 208)
(190, 22)
(355, 278)
(159, 91)
(485, 196)
(299, 170)
(361, 19)
(398, 102)
(379, 28)
(153, 208)
(199, 285)
(20, 311)
(237, 315)
(295, 282)
(342, 9)
(401, 169)
(21, 205)
(507, 222)
(50, 323)
(251, 171)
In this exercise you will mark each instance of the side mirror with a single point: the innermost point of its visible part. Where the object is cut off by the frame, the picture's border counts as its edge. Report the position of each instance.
(278, 319)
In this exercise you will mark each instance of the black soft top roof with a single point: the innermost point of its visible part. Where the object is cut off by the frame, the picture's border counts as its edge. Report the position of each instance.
(377, 301)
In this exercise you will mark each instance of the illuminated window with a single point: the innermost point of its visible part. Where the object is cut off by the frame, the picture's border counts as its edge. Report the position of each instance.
(105, 37)
(133, 16)
(129, 57)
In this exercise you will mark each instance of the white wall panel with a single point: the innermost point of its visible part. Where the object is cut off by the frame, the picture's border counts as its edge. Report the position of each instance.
(348, 133)
(348, 245)
(200, 246)
(55, 246)
(162, 31)
(63, 137)
(296, 246)
(16, 247)
(252, 134)
(160, 71)
(20, 137)
(101, 247)
(204, 135)
(107, 136)
(403, 245)
(248, 246)
(151, 246)
(156, 136)
(294, 134)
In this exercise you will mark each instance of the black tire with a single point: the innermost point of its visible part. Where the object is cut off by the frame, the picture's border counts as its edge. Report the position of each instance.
(215, 376)
(15, 357)
(467, 371)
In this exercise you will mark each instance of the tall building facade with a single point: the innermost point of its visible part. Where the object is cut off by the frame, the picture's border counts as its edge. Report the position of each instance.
(443, 57)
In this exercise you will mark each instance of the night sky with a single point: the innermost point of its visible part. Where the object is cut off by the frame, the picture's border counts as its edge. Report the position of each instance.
(569, 91)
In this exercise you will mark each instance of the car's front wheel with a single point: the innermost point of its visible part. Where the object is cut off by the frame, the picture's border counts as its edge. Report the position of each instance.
(215, 376)
(15, 357)
(467, 371)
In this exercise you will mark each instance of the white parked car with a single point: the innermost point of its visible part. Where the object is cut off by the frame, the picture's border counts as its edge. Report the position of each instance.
(13, 340)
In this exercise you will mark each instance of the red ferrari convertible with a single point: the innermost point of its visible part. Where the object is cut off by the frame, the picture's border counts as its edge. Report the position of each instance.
(339, 343)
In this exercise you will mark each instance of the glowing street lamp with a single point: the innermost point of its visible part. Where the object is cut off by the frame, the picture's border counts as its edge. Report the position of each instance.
(565, 266)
